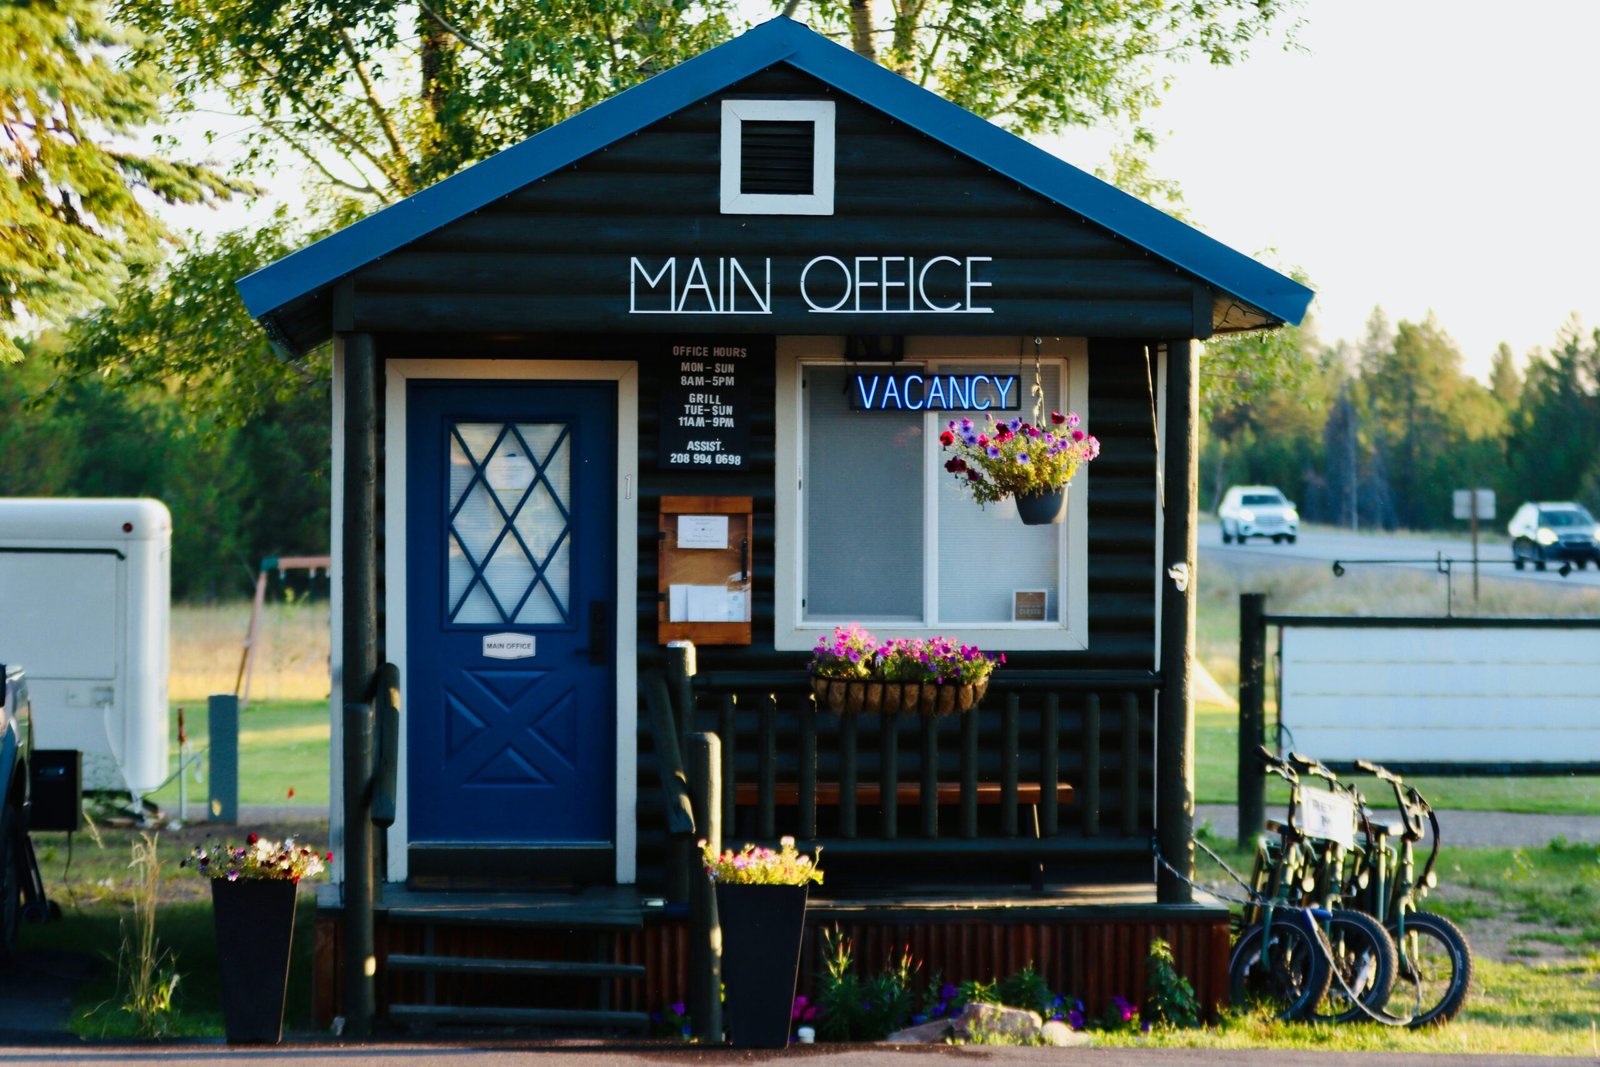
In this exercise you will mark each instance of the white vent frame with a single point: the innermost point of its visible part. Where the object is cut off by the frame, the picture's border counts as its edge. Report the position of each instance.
(820, 113)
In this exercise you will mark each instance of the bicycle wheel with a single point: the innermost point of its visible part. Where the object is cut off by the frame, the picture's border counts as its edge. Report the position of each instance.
(1364, 966)
(1435, 970)
(1288, 978)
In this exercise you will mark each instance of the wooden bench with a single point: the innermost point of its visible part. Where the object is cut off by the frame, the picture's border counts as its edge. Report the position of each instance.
(948, 794)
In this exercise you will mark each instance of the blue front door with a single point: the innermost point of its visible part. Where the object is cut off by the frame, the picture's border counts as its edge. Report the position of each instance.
(511, 580)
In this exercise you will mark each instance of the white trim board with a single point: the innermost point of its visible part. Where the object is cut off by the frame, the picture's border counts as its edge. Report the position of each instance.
(792, 632)
(626, 374)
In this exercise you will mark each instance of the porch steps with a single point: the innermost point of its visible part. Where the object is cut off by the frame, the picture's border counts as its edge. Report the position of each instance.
(573, 963)
(434, 1014)
(538, 968)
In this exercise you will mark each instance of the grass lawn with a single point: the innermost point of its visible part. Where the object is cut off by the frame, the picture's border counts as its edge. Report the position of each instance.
(283, 746)
(94, 891)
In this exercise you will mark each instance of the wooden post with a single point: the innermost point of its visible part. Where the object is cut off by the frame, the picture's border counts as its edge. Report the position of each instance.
(1175, 711)
(681, 670)
(1252, 714)
(705, 934)
(359, 665)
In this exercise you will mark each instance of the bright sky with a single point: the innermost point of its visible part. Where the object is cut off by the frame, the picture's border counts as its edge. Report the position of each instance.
(1418, 154)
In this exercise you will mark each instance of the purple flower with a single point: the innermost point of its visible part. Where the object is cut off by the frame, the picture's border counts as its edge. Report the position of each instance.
(992, 452)
(1022, 457)
(1014, 425)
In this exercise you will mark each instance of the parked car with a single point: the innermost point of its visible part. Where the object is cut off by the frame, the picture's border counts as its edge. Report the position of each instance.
(1257, 511)
(1561, 531)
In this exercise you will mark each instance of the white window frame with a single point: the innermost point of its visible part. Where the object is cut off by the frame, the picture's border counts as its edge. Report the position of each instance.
(820, 113)
(1069, 631)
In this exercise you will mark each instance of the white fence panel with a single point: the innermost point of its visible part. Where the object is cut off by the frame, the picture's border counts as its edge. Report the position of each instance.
(1442, 694)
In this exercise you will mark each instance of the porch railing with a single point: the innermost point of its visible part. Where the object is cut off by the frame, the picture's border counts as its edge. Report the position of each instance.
(1054, 764)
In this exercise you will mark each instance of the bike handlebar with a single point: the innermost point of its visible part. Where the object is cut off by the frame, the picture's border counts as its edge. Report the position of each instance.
(1413, 807)
(1274, 765)
(1313, 766)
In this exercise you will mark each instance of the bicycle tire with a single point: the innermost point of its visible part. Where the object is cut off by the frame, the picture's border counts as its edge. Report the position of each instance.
(1364, 957)
(1293, 978)
(1433, 945)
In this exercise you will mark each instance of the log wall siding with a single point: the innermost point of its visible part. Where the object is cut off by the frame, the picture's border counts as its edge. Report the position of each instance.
(555, 256)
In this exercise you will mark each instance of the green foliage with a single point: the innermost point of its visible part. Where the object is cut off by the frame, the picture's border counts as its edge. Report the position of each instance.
(853, 1008)
(1381, 434)
(69, 178)
(181, 329)
(1555, 445)
(381, 98)
(147, 975)
(237, 493)
(1169, 1000)
(1034, 67)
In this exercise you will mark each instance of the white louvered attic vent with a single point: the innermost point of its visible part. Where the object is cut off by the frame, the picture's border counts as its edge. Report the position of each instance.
(777, 157)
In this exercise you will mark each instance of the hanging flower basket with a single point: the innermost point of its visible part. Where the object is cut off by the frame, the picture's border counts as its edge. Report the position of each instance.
(1032, 462)
(1042, 509)
(860, 696)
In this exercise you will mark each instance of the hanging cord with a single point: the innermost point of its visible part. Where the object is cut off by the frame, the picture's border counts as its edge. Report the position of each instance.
(1257, 900)
(1155, 429)
(1038, 382)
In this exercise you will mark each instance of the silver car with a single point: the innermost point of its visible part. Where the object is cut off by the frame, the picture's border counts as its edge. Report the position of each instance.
(1257, 511)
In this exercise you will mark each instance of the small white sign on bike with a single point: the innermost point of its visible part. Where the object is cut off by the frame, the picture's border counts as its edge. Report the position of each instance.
(1329, 816)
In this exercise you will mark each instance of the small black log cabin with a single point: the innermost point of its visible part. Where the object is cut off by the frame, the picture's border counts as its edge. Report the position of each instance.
(600, 391)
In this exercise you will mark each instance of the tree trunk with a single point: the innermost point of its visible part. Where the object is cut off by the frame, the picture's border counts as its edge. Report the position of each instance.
(861, 28)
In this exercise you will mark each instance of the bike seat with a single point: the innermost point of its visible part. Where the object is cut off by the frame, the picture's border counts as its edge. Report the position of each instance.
(1275, 827)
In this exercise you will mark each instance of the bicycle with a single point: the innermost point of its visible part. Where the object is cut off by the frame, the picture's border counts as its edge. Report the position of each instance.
(1435, 958)
(1362, 953)
(1277, 961)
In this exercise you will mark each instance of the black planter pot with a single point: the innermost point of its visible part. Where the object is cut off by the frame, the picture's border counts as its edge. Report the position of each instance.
(761, 930)
(255, 927)
(1042, 509)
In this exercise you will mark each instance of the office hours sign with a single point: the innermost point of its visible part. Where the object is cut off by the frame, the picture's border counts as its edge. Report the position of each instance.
(705, 406)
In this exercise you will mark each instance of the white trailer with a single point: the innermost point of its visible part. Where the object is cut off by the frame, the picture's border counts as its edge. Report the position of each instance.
(85, 609)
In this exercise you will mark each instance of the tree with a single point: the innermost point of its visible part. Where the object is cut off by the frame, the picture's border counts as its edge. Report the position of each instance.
(1441, 428)
(380, 98)
(1035, 66)
(1505, 381)
(69, 109)
(1555, 449)
(181, 328)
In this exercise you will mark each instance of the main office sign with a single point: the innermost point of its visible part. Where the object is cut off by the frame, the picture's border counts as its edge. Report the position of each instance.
(826, 285)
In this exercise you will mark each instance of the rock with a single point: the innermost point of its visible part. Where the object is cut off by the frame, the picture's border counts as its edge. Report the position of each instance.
(1056, 1032)
(1018, 1023)
(930, 1033)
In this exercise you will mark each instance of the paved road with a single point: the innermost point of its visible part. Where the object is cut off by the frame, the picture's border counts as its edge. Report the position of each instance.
(1324, 545)
(1461, 829)
(577, 1054)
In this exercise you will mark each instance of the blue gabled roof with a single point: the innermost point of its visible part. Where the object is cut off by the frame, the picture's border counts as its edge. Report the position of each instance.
(779, 40)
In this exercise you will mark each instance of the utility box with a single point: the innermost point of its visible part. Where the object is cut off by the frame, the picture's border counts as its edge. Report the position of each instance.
(57, 783)
(87, 612)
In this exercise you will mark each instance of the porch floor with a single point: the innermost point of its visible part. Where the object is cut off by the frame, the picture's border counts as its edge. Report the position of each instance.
(625, 907)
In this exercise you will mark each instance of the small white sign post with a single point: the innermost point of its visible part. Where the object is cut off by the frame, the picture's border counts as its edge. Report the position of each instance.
(1474, 504)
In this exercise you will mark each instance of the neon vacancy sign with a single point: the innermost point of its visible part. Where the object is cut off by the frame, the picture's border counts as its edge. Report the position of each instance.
(910, 391)
(827, 285)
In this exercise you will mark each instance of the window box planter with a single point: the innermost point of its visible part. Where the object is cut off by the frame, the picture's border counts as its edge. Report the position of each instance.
(855, 696)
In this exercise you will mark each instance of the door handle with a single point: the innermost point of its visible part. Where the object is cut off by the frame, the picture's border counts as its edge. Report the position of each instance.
(599, 633)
